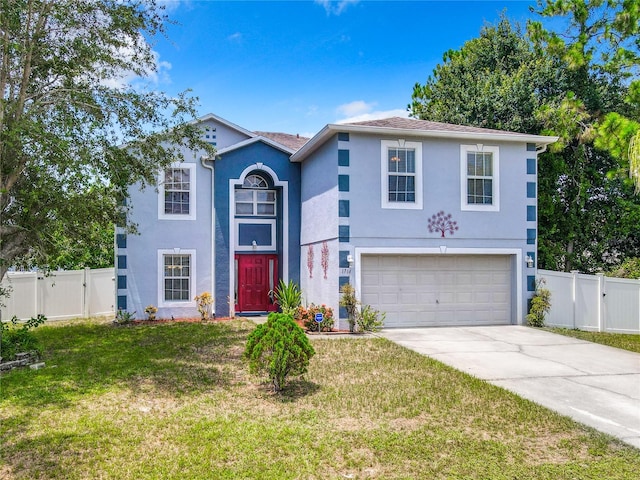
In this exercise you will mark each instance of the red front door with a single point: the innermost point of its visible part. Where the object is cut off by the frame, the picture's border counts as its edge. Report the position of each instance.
(257, 275)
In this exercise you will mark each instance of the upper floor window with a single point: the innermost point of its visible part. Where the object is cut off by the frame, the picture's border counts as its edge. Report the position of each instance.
(401, 174)
(254, 198)
(479, 172)
(177, 193)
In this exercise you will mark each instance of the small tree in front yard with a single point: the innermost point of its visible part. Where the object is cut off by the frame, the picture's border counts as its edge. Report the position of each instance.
(279, 348)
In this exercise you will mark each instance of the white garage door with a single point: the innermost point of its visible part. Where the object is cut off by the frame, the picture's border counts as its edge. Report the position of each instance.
(438, 290)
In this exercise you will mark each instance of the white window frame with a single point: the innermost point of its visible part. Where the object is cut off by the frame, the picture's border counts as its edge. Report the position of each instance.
(162, 215)
(385, 145)
(464, 194)
(192, 276)
(257, 248)
(255, 202)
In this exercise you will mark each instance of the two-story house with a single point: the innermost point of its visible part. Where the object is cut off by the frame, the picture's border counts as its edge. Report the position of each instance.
(434, 224)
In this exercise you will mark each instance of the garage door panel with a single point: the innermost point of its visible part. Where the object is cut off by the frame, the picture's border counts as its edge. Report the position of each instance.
(464, 297)
(390, 279)
(433, 290)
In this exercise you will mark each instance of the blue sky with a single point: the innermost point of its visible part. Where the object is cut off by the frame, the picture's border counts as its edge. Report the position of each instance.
(294, 66)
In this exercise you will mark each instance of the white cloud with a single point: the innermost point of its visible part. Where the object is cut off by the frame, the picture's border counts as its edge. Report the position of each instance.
(375, 115)
(336, 7)
(356, 107)
(235, 37)
(172, 5)
(158, 74)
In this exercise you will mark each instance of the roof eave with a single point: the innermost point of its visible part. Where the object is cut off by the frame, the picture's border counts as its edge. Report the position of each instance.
(314, 143)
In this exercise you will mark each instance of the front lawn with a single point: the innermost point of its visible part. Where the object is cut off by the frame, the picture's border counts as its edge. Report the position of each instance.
(176, 401)
(619, 340)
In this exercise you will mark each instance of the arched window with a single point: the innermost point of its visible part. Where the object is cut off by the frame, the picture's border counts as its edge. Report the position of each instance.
(255, 181)
(254, 197)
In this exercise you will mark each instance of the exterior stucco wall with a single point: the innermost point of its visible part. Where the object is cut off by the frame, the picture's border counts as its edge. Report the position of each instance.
(141, 252)
(319, 180)
(368, 225)
(138, 276)
(261, 157)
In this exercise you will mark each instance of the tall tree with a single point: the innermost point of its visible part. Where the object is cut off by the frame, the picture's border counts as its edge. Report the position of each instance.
(600, 38)
(499, 80)
(66, 112)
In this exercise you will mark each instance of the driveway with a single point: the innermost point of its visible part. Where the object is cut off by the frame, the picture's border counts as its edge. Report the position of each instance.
(594, 384)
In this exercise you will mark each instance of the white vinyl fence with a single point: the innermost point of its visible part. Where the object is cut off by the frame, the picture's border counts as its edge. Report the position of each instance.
(59, 295)
(593, 302)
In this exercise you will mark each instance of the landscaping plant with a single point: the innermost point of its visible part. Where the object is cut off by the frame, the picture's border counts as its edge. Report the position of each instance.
(288, 296)
(123, 317)
(17, 339)
(370, 320)
(367, 318)
(307, 316)
(349, 301)
(204, 301)
(279, 348)
(151, 311)
(540, 304)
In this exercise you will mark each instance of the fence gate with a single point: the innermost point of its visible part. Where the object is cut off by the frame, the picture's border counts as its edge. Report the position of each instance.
(593, 302)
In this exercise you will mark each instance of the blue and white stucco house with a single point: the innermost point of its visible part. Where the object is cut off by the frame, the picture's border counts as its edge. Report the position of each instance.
(228, 225)
(433, 224)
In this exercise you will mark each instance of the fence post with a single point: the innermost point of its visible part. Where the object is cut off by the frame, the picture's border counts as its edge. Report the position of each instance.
(574, 280)
(601, 295)
(86, 292)
(39, 291)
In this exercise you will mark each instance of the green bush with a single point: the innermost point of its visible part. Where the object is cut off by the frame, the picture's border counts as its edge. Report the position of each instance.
(308, 317)
(278, 348)
(370, 320)
(288, 296)
(540, 305)
(16, 337)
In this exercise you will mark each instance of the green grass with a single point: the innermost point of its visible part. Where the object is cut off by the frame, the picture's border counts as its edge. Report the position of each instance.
(619, 340)
(176, 401)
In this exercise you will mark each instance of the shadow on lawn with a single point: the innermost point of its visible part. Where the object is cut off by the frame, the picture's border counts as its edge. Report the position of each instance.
(171, 359)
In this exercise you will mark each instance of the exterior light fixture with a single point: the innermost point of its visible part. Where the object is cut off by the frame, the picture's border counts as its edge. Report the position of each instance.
(350, 260)
(529, 261)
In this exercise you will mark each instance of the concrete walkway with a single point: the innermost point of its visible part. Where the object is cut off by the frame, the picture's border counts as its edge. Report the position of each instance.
(594, 384)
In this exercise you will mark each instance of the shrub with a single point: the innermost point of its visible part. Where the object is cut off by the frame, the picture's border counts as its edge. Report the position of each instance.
(16, 339)
(151, 311)
(288, 296)
(307, 316)
(123, 317)
(204, 302)
(370, 320)
(540, 304)
(279, 348)
(349, 301)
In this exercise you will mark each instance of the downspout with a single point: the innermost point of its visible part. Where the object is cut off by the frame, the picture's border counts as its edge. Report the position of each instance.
(203, 159)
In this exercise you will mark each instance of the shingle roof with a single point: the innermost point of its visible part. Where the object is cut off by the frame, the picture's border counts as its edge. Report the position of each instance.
(414, 124)
(294, 142)
(410, 127)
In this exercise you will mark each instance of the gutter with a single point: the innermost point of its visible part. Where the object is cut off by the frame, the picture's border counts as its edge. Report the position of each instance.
(203, 159)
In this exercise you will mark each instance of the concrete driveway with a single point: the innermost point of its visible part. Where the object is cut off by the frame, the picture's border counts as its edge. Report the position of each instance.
(594, 384)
